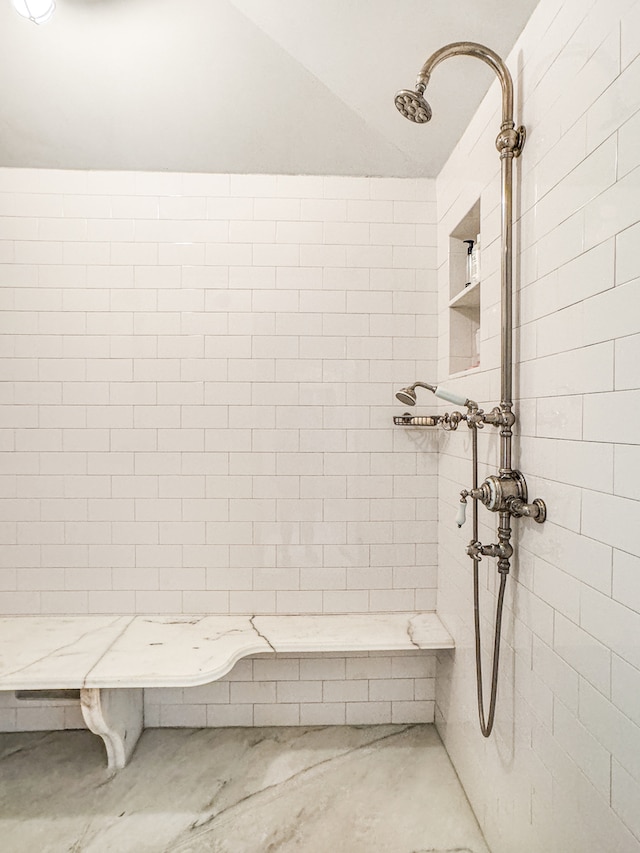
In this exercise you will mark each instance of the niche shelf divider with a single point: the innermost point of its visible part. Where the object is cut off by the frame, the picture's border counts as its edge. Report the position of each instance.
(464, 298)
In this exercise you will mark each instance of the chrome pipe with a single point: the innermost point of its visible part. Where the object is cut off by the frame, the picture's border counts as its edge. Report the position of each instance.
(506, 276)
(480, 51)
(509, 143)
(505, 494)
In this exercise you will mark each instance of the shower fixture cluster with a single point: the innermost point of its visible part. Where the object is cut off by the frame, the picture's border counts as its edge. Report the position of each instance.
(504, 493)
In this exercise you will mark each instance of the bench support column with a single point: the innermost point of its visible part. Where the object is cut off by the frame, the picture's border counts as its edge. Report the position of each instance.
(116, 714)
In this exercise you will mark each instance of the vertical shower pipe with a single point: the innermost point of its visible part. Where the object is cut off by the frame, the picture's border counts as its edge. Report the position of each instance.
(505, 493)
(509, 143)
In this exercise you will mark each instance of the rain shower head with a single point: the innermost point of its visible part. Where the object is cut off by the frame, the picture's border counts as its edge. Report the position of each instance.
(408, 395)
(413, 106)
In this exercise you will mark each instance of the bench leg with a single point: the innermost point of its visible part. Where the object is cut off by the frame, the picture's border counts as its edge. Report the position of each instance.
(117, 716)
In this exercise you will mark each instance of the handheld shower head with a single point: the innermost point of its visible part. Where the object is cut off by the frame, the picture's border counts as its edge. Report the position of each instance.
(408, 395)
(413, 106)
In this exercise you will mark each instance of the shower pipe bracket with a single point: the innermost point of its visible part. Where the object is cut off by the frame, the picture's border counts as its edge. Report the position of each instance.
(510, 141)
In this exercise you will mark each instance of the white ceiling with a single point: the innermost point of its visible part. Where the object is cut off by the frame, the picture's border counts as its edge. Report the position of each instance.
(248, 86)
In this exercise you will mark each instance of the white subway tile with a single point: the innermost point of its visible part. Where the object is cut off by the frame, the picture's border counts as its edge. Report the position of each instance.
(587, 464)
(286, 209)
(111, 602)
(323, 210)
(353, 690)
(610, 315)
(562, 679)
(611, 623)
(347, 233)
(586, 655)
(627, 352)
(412, 712)
(299, 232)
(313, 255)
(39, 718)
(323, 714)
(610, 519)
(421, 212)
(367, 713)
(305, 601)
(374, 578)
(582, 747)
(612, 109)
(626, 579)
(183, 716)
(626, 259)
(359, 210)
(625, 682)
(135, 578)
(391, 689)
(345, 601)
(626, 471)
(276, 714)
(158, 601)
(617, 734)
(625, 793)
(276, 255)
(205, 602)
(394, 188)
(229, 715)
(612, 211)
(369, 668)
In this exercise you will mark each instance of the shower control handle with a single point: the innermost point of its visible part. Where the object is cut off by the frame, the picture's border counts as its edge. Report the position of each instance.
(536, 510)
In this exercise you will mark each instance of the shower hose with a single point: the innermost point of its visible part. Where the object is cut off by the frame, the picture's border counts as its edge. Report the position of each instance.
(486, 723)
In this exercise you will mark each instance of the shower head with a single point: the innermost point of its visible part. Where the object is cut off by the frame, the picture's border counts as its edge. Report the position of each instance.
(413, 106)
(408, 395)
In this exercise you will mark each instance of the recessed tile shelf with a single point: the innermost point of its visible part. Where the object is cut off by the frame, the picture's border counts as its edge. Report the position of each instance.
(464, 297)
(467, 298)
(112, 658)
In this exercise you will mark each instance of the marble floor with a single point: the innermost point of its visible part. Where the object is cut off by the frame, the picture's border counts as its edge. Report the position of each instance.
(357, 789)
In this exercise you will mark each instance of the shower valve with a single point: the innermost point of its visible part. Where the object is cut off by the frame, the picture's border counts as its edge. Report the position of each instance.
(503, 551)
(499, 417)
(504, 493)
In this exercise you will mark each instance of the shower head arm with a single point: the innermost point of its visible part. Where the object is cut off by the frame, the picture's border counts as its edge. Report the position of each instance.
(423, 385)
(470, 48)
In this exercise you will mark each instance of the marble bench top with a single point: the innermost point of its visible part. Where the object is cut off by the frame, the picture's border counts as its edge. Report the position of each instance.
(71, 652)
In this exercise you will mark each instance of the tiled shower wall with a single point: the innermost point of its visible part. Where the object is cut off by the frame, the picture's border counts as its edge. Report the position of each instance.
(197, 391)
(562, 769)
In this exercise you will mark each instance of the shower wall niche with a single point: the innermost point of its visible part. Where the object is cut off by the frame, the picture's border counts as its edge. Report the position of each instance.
(464, 294)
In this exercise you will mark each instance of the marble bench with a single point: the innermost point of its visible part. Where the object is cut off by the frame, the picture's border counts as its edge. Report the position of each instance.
(111, 659)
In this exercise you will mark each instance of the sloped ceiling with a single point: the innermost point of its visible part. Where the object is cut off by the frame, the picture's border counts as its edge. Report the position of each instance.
(247, 86)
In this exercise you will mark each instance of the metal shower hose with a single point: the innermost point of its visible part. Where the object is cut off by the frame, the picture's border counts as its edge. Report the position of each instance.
(486, 725)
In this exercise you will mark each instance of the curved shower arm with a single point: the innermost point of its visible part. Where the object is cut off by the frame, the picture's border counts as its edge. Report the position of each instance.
(471, 48)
